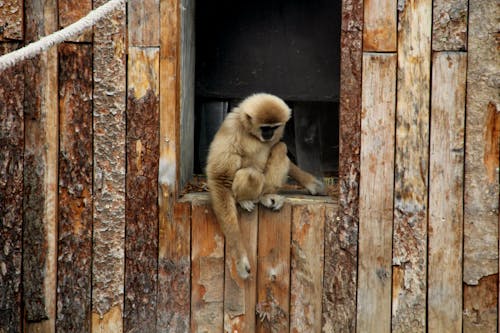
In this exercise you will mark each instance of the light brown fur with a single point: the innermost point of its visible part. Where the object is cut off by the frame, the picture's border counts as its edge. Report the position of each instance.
(244, 168)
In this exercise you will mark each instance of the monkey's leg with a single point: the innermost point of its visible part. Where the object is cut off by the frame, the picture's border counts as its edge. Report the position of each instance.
(275, 176)
(224, 206)
(311, 183)
(247, 187)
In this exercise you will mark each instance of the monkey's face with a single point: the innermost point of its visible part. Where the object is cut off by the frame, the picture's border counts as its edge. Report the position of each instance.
(270, 132)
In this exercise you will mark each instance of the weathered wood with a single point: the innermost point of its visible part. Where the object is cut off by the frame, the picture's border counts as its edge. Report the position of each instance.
(174, 271)
(379, 28)
(411, 170)
(144, 23)
(376, 196)
(341, 231)
(480, 306)
(308, 226)
(11, 20)
(446, 192)
(71, 11)
(109, 172)
(75, 188)
(141, 243)
(40, 173)
(207, 264)
(482, 144)
(240, 295)
(11, 193)
(273, 270)
(449, 26)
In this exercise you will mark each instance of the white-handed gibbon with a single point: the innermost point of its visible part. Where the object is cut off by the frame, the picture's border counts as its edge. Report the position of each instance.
(247, 164)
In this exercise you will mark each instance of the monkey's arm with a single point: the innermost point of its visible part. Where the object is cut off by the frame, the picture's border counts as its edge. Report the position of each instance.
(311, 183)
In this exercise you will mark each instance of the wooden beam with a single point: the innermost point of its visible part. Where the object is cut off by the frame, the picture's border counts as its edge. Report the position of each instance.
(446, 192)
(207, 264)
(308, 226)
(11, 20)
(74, 275)
(11, 193)
(341, 240)
(109, 104)
(273, 270)
(144, 23)
(240, 295)
(481, 197)
(141, 243)
(411, 169)
(40, 173)
(449, 25)
(379, 28)
(376, 199)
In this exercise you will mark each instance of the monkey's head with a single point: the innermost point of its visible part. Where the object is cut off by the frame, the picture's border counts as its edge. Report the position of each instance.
(264, 116)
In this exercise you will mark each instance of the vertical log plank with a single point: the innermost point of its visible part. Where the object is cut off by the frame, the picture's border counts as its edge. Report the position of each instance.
(273, 270)
(144, 23)
(446, 192)
(308, 222)
(379, 29)
(40, 173)
(174, 270)
(11, 20)
(71, 11)
(411, 170)
(11, 193)
(141, 243)
(481, 197)
(376, 199)
(207, 264)
(240, 295)
(109, 172)
(75, 188)
(449, 25)
(341, 235)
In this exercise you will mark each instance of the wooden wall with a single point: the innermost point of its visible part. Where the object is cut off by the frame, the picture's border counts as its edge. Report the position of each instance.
(95, 238)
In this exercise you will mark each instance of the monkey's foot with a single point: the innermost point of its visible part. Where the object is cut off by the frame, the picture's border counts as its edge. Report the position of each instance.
(316, 187)
(247, 205)
(243, 267)
(273, 201)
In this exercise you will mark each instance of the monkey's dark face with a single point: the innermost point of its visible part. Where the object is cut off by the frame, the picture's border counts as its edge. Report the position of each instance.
(267, 131)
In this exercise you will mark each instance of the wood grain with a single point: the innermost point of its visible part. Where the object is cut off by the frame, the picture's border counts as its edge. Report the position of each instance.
(446, 192)
(75, 188)
(109, 103)
(144, 23)
(379, 26)
(308, 225)
(240, 295)
(411, 169)
(207, 264)
(11, 20)
(273, 270)
(11, 193)
(376, 196)
(141, 242)
(71, 11)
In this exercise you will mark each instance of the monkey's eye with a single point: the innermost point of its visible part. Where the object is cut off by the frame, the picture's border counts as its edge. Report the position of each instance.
(268, 131)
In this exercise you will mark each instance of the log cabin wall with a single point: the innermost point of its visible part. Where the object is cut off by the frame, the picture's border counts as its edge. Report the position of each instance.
(96, 238)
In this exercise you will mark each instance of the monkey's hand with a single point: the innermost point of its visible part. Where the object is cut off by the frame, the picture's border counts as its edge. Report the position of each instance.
(273, 201)
(247, 205)
(316, 187)
(243, 267)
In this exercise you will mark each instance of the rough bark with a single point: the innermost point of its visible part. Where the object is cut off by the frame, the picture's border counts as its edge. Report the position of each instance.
(480, 306)
(11, 20)
(71, 11)
(449, 26)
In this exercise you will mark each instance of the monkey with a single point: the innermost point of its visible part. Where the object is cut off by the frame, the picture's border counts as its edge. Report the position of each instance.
(247, 164)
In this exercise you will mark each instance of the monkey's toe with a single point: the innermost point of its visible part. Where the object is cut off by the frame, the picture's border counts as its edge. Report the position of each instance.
(247, 205)
(273, 201)
(243, 267)
(317, 187)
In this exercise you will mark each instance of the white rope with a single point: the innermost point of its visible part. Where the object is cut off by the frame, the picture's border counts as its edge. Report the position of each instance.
(45, 43)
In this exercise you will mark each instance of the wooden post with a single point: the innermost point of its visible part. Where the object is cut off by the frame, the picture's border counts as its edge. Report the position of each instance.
(141, 244)
(376, 200)
(273, 270)
(11, 193)
(341, 236)
(40, 173)
(207, 264)
(108, 262)
(144, 23)
(75, 188)
(240, 296)
(11, 20)
(379, 28)
(446, 192)
(411, 170)
(482, 187)
(308, 223)
(71, 11)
